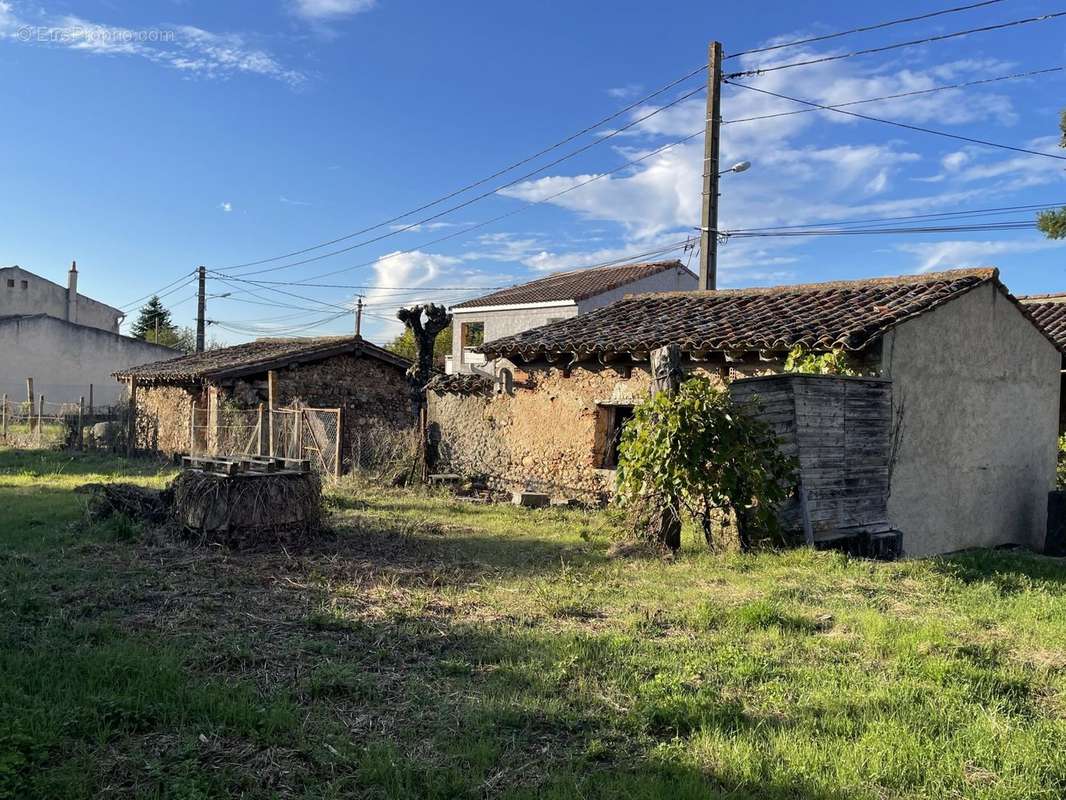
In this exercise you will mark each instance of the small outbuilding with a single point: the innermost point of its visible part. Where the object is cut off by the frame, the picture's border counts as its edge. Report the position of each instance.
(974, 392)
(186, 404)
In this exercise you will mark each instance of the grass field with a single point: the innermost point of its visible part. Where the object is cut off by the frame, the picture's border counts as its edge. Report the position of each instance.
(427, 648)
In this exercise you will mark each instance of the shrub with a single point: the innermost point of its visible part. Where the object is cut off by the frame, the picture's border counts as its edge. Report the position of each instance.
(697, 450)
(835, 362)
(1062, 462)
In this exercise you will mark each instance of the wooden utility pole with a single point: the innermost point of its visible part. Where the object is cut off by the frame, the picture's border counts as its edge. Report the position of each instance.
(359, 317)
(201, 304)
(3, 413)
(709, 217)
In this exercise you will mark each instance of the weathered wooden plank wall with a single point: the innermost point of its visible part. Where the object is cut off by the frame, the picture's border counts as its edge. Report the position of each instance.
(838, 428)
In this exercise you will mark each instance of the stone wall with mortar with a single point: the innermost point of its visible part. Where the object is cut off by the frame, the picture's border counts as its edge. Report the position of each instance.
(372, 394)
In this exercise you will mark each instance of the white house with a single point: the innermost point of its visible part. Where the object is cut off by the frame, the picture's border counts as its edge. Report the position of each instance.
(64, 340)
(551, 299)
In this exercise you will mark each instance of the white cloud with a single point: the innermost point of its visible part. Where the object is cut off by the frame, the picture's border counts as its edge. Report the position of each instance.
(953, 162)
(290, 202)
(426, 226)
(226, 206)
(191, 50)
(319, 10)
(949, 255)
(625, 92)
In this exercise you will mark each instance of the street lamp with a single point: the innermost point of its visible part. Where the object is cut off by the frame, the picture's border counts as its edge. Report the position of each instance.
(740, 166)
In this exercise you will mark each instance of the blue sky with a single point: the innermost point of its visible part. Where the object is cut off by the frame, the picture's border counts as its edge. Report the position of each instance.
(145, 138)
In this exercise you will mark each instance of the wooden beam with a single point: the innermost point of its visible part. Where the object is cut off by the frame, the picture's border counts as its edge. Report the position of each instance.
(131, 419)
(29, 401)
(272, 396)
(666, 377)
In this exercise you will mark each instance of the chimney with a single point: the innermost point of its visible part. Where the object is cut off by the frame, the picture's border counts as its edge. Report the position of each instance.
(72, 292)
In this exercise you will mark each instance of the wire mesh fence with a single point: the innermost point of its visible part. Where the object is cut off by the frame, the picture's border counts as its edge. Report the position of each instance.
(233, 432)
(311, 433)
(49, 425)
(295, 433)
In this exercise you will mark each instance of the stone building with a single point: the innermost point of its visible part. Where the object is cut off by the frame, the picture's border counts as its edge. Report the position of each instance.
(64, 340)
(1050, 311)
(964, 358)
(367, 382)
(550, 299)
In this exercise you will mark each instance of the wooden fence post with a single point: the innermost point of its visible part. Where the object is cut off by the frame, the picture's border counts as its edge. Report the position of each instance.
(3, 413)
(299, 431)
(666, 377)
(261, 448)
(81, 423)
(29, 403)
(340, 434)
(40, 413)
(272, 394)
(192, 426)
(90, 402)
(131, 420)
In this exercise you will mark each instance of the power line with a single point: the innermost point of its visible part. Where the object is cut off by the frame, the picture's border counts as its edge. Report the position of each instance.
(227, 278)
(884, 48)
(485, 223)
(914, 93)
(380, 288)
(933, 215)
(160, 292)
(905, 125)
(991, 226)
(659, 150)
(863, 29)
(605, 120)
(470, 201)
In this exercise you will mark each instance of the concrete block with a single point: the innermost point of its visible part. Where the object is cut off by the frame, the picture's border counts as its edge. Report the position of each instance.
(531, 499)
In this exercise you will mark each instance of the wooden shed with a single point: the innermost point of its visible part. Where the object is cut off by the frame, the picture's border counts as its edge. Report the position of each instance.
(840, 430)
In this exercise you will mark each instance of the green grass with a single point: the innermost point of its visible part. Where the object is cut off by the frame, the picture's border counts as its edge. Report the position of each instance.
(430, 648)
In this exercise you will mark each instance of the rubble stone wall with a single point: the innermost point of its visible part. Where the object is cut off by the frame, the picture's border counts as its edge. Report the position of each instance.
(163, 418)
(543, 436)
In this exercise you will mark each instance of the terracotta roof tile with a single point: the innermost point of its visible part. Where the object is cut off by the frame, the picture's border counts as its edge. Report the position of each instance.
(576, 285)
(461, 383)
(257, 356)
(822, 316)
(1049, 312)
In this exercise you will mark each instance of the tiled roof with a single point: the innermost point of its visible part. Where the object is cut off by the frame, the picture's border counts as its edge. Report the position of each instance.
(254, 357)
(460, 383)
(1049, 311)
(821, 316)
(576, 285)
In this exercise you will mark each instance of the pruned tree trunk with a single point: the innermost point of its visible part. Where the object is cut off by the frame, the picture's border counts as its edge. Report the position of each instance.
(419, 373)
(666, 377)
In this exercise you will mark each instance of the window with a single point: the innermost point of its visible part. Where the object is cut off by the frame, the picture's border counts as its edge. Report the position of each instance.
(473, 333)
(25, 284)
(10, 283)
(610, 419)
